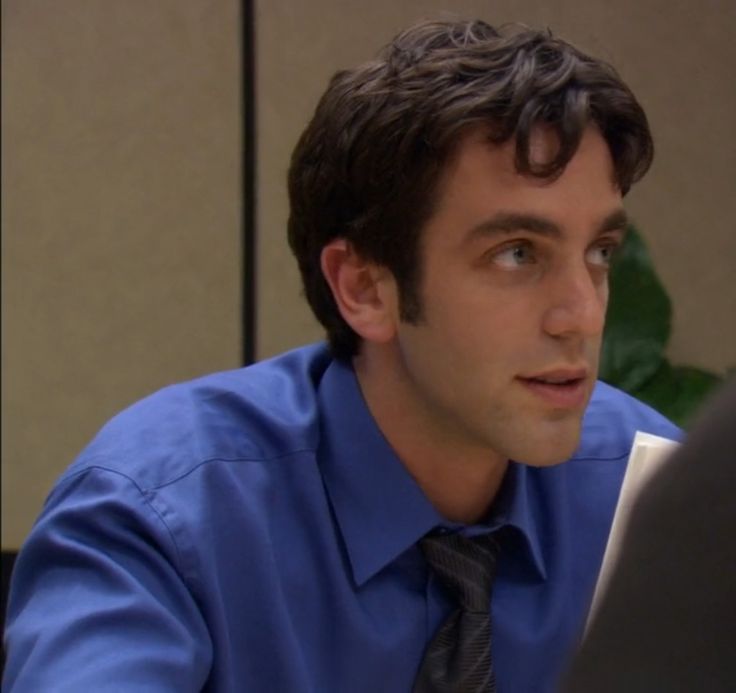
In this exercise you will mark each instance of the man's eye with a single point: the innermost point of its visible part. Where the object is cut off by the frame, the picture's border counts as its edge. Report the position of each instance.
(514, 256)
(602, 255)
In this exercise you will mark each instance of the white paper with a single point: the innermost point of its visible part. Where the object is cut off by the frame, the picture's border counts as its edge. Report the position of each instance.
(648, 454)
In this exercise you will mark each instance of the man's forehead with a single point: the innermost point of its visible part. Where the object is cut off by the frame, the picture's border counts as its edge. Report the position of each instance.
(544, 144)
(477, 144)
(481, 192)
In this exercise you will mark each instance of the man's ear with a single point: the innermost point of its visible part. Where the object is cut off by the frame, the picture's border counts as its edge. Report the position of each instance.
(365, 293)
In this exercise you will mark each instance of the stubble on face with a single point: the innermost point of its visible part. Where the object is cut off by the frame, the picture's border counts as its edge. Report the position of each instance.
(487, 324)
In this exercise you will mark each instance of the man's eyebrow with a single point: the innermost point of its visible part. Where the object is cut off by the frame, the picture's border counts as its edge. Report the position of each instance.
(509, 222)
(615, 221)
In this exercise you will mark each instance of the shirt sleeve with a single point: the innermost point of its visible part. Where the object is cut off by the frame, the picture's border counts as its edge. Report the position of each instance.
(98, 601)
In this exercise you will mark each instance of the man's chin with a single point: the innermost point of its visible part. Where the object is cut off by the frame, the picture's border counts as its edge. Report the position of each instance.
(547, 448)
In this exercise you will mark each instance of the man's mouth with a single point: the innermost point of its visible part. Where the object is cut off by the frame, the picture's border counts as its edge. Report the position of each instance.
(559, 388)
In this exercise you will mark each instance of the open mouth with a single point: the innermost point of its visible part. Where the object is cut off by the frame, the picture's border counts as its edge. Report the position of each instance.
(558, 391)
(562, 382)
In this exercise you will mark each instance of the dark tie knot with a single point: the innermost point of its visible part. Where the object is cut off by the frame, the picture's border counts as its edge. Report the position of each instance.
(466, 565)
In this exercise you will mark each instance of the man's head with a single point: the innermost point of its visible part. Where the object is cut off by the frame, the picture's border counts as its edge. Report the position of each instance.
(369, 166)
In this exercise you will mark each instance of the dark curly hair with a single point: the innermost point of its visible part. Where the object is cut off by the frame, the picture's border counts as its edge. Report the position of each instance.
(368, 164)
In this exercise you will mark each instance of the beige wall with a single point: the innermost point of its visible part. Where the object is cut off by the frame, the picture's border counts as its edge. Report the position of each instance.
(678, 56)
(121, 219)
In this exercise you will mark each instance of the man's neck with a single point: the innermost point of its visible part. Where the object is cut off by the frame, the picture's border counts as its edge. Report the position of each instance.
(460, 480)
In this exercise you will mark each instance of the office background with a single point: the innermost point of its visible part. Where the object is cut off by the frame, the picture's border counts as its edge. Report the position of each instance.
(144, 218)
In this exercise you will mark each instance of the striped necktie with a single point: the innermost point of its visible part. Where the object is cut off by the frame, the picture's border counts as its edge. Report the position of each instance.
(458, 659)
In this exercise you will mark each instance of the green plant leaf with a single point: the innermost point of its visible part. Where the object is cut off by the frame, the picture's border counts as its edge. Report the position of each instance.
(638, 326)
(677, 392)
(638, 321)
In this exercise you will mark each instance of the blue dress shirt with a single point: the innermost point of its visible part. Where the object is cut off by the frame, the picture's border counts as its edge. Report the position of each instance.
(254, 531)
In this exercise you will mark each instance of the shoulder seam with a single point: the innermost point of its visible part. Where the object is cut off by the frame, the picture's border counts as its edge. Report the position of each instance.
(145, 496)
(94, 464)
(201, 463)
(590, 458)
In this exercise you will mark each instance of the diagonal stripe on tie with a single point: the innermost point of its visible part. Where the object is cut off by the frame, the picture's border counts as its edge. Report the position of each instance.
(458, 659)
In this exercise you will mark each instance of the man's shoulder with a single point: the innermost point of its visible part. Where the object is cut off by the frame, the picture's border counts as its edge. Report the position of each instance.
(611, 421)
(258, 412)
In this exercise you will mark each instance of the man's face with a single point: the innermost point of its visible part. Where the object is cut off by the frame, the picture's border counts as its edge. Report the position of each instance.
(514, 291)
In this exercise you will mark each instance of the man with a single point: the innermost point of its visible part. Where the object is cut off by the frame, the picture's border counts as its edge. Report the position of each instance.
(455, 205)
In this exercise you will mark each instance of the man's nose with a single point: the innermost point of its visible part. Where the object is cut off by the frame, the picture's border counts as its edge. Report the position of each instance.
(576, 303)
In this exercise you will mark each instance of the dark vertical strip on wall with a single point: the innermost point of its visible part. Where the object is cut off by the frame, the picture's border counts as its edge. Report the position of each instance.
(248, 107)
(8, 559)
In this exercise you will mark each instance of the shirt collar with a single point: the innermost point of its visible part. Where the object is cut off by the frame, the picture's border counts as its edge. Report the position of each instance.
(516, 505)
(380, 509)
